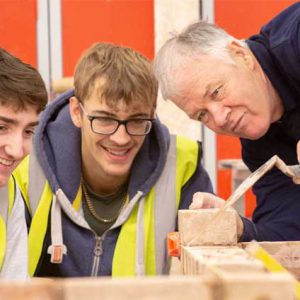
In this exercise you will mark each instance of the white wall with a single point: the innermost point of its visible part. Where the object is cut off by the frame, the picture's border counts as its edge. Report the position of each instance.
(170, 16)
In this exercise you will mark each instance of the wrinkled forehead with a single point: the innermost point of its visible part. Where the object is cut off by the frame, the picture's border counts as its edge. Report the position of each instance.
(206, 71)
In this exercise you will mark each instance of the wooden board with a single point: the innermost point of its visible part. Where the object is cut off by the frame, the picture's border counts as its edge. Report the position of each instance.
(36, 289)
(147, 288)
(204, 260)
(287, 254)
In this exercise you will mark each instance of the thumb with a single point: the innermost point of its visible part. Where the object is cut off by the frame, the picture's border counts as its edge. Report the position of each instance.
(296, 180)
(298, 151)
(206, 200)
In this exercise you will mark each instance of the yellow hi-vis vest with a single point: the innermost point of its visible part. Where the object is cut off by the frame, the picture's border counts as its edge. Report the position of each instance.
(7, 196)
(145, 221)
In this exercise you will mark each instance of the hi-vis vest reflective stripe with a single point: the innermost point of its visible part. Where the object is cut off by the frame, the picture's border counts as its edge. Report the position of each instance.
(7, 196)
(141, 245)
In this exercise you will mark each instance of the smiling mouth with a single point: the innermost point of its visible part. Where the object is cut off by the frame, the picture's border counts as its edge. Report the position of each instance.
(236, 126)
(117, 152)
(6, 163)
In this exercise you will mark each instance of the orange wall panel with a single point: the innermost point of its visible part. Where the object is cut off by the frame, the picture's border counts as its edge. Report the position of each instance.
(126, 22)
(18, 29)
(241, 18)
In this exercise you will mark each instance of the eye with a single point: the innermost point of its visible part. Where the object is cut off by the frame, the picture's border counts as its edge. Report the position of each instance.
(216, 92)
(3, 129)
(202, 116)
(104, 121)
(29, 132)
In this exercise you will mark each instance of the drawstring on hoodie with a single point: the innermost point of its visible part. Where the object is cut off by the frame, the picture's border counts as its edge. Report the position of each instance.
(57, 249)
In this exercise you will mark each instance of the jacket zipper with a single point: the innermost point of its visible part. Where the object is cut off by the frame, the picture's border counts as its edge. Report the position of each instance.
(98, 250)
(97, 253)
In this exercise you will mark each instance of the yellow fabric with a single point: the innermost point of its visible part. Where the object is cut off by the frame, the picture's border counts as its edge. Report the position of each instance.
(39, 221)
(125, 251)
(11, 199)
(38, 229)
(187, 160)
(124, 261)
(11, 194)
(77, 201)
(149, 242)
(2, 240)
(21, 174)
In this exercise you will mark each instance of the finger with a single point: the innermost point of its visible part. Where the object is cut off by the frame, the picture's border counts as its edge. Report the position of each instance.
(206, 200)
(298, 151)
(296, 180)
(197, 202)
(218, 202)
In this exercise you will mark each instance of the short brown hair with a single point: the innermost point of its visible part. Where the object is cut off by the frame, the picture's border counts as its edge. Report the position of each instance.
(20, 84)
(127, 74)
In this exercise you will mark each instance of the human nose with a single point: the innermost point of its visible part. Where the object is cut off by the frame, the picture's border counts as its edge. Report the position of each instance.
(16, 147)
(219, 113)
(121, 135)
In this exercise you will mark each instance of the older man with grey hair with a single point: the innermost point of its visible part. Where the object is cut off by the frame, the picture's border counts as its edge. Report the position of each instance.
(249, 89)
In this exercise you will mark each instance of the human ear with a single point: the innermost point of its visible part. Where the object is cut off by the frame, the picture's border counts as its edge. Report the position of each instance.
(153, 112)
(242, 54)
(75, 112)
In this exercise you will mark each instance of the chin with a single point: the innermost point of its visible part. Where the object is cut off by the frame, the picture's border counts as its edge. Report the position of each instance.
(118, 172)
(3, 181)
(254, 135)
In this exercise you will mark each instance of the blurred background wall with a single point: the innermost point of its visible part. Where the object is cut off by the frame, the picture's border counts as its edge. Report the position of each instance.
(52, 34)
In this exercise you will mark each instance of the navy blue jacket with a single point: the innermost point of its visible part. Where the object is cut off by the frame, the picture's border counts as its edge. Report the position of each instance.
(277, 48)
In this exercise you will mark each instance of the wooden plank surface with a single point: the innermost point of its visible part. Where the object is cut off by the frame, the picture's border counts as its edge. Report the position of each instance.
(202, 260)
(287, 254)
(147, 288)
(262, 286)
(35, 289)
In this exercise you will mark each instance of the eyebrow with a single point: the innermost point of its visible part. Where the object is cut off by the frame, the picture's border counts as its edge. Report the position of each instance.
(108, 114)
(14, 122)
(210, 85)
(8, 120)
(207, 89)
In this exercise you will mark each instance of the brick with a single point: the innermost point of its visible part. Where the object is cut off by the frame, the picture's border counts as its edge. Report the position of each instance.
(201, 227)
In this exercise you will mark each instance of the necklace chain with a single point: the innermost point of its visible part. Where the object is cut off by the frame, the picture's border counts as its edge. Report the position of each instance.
(93, 211)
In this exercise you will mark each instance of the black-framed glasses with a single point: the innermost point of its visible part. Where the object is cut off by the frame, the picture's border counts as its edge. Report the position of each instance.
(108, 126)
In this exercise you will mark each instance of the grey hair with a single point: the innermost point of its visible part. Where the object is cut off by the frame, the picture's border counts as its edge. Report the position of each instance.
(200, 38)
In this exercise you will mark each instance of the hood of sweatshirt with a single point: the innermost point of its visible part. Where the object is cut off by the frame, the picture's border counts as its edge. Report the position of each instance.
(57, 145)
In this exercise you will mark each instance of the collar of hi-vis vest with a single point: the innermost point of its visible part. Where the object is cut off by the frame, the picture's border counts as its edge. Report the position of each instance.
(60, 201)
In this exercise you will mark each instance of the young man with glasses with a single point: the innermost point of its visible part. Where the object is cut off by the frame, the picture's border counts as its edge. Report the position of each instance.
(108, 177)
(23, 96)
